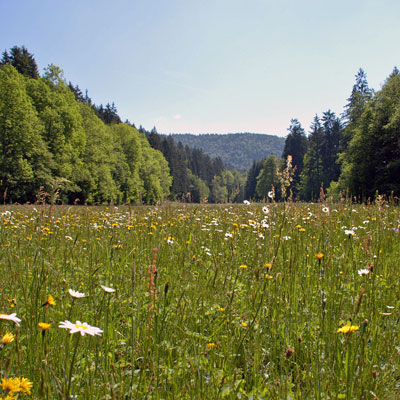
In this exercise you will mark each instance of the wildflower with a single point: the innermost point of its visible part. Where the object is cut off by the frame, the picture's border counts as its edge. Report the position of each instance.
(13, 302)
(25, 385)
(44, 326)
(289, 352)
(243, 266)
(76, 294)
(319, 256)
(265, 210)
(210, 345)
(107, 289)
(246, 202)
(348, 328)
(82, 327)
(221, 309)
(244, 323)
(11, 317)
(271, 194)
(325, 209)
(268, 265)
(50, 301)
(6, 339)
(11, 385)
(363, 271)
(268, 276)
(349, 232)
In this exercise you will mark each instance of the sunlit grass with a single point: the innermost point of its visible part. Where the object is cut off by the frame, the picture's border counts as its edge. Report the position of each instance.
(289, 301)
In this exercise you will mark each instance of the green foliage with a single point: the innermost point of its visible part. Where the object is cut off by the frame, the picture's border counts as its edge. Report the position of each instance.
(251, 180)
(296, 146)
(267, 179)
(371, 162)
(321, 160)
(55, 146)
(22, 60)
(209, 302)
(25, 161)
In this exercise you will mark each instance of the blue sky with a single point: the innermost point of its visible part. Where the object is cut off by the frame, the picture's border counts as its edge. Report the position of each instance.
(211, 66)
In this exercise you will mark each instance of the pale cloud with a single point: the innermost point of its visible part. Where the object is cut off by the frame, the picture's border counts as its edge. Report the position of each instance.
(177, 116)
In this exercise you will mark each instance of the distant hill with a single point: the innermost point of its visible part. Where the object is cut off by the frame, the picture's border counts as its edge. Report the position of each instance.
(237, 150)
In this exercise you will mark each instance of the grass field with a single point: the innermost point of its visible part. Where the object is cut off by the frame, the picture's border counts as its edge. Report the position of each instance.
(278, 301)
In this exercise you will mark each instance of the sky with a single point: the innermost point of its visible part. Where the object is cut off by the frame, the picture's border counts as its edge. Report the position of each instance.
(211, 66)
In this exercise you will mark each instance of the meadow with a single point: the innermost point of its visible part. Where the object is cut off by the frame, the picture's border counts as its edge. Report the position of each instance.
(249, 301)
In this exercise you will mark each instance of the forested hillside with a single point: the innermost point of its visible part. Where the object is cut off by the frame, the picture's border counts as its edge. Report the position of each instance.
(236, 150)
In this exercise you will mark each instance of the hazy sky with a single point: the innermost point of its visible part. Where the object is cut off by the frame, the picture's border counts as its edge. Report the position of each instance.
(214, 66)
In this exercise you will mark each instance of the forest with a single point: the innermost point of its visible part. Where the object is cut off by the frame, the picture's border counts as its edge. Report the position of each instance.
(236, 150)
(57, 145)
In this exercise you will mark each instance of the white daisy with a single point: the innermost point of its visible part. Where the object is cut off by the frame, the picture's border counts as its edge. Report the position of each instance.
(246, 202)
(11, 317)
(82, 327)
(349, 232)
(265, 210)
(76, 294)
(107, 289)
(363, 271)
(325, 209)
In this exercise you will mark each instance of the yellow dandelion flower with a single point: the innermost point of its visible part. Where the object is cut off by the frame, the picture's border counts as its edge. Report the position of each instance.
(268, 265)
(348, 328)
(244, 323)
(243, 266)
(50, 300)
(221, 309)
(210, 346)
(11, 385)
(44, 326)
(25, 385)
(319, 256)
(7, 338)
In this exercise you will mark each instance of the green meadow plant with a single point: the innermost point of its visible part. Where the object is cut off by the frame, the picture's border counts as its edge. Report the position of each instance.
(236, 301)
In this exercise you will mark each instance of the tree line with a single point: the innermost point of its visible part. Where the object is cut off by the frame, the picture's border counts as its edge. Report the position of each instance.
(356, 154)
(57, 144)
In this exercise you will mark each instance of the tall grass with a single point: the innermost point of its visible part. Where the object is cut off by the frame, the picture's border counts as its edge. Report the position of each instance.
(210, 302)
